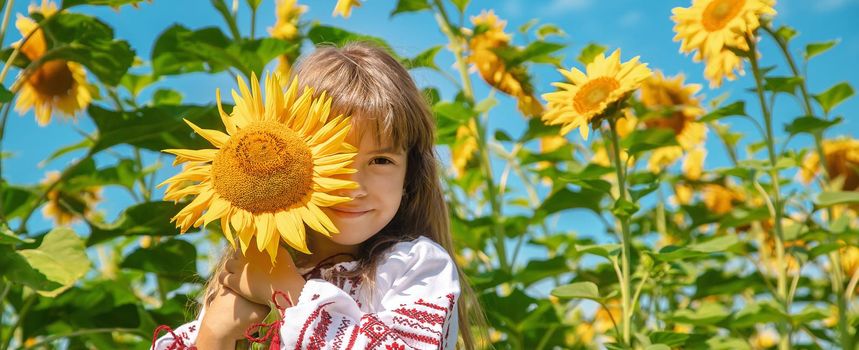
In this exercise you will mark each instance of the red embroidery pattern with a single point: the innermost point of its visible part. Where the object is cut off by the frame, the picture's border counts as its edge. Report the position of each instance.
(341, 332)
(317, 340)
(308, 322)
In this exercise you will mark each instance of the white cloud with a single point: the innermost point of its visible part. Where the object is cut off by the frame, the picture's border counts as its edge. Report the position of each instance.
(557, 7)
(831, 5)
(512, 7)
(630, 19)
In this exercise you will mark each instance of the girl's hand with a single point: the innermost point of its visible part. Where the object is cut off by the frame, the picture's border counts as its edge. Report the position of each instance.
(255, 278)
(227, 317)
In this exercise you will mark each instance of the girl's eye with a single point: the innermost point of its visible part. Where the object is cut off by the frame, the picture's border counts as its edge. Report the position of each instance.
(381, 160)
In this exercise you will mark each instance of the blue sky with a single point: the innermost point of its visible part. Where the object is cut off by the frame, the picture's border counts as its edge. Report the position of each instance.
(640, 28)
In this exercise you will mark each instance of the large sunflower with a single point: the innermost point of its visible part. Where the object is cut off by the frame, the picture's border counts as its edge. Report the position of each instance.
(487, 36)
(271, 172)
(587, 96)
(676, 108)
(56, 84)
(711, 26)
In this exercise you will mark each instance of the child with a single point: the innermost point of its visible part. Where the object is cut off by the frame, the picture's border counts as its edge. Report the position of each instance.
(387, 280)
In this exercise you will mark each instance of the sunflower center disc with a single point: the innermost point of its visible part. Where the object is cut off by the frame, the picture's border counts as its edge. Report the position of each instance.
(53, 78)
(593, 93)
(265, 167)
(718, 13)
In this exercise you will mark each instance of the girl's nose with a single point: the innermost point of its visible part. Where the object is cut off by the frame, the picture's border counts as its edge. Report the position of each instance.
(353, 193)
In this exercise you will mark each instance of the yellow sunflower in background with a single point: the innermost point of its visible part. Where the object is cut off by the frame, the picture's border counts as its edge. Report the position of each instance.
(344, 7)
(286, 28)
(66, 207)
(675, 107)
(271, 172)
(286, 24)
(720, 199)
(488, 35)
(709, 27)
(56, 84)
(463, 149)
(587, 96)
(849, 260)
(842, 160)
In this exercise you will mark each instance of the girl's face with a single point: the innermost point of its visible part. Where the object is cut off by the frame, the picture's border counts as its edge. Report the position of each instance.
(381, 174)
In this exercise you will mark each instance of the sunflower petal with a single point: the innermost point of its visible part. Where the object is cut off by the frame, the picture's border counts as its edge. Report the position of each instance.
(217, 138)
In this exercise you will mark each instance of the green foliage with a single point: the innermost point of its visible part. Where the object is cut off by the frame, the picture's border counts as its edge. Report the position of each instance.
(708, 268)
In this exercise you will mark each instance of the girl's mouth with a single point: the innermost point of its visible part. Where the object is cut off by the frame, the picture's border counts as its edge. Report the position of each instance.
(348, 213)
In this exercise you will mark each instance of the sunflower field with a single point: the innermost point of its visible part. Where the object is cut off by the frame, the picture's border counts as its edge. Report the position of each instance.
(597, 199)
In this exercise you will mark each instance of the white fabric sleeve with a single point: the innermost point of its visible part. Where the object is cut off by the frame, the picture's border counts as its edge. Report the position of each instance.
(187, 334)
(413, 307)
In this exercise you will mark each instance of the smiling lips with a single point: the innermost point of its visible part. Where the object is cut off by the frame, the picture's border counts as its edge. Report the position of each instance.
(348, 212)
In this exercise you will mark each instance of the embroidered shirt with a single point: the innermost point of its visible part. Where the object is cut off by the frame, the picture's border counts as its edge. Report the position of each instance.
(412, 306)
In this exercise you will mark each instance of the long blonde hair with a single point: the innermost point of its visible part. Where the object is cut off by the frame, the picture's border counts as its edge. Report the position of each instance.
(367, 83)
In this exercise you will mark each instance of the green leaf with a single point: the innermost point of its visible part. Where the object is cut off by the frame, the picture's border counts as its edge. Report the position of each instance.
(175, 259)
(404, 6)
(668, 338)
(537, 270)
(565, 199)
(111, 3)
(5, 95)
(590, 52)
(815, 49)
(179, 50)
(828, 199)
(549, 29)
(608, 250)
(9, 237)
(502, 136)
(623, 208)
(537, 51)
(17, 200)
(54, 266)
(253, 4)
(135, 83)
(449, 116)
(578, 290)
(810, 125)
(461, 5)
(166, 97)
(707, 314)
(712, 246)
(154, 128)
(647, 139)
(88, 41)
(834, 96)
(322, 34)
(149, 218)
(786, 33)
(657, 347)
(786, 85)
(424, 59)
(758, 313)
(736, 108)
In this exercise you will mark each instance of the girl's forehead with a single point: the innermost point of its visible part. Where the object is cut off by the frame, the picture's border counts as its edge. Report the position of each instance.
(368, 136)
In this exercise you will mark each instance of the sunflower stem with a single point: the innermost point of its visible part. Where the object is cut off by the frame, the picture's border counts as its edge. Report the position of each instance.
(3, 119)
(838, 273)
(781, 281)
(626, 237)
(485, 160)
(6, 13)
(25, 309)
